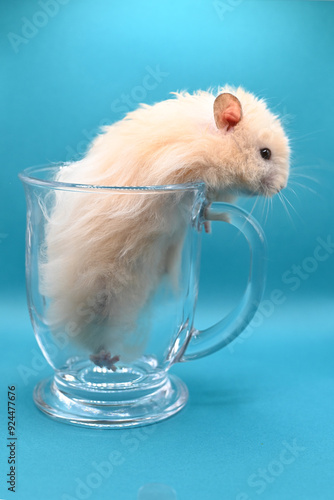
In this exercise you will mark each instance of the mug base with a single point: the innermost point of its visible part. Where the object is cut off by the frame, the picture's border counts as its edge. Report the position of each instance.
(117, 410)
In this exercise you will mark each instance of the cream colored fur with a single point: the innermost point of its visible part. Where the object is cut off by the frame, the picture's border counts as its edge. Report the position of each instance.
(105, 253)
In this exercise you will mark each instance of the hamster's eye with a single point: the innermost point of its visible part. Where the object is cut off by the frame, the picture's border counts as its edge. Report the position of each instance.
(265, 153)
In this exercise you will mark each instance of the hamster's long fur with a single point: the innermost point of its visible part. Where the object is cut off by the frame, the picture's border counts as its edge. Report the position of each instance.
(105, 253)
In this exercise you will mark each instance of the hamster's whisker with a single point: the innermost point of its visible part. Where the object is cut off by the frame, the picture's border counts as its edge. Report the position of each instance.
(280, 198)
(289, 188)
(302, 167)
(254, 205)
(286, 208)
(250, 213)
(270, 206)
(267, 204)
(293, 208)
(304, 187)
(264, 202)
(304, 176)
(314, 168)
(307, 135)
(263, 207)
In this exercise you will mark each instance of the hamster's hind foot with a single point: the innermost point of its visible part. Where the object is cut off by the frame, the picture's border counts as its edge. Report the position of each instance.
(103, 359)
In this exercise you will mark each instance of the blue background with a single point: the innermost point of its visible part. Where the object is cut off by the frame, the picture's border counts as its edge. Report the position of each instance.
(60, 82)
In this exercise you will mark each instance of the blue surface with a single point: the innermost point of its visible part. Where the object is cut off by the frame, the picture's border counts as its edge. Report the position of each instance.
(246, 403)
(273, 388)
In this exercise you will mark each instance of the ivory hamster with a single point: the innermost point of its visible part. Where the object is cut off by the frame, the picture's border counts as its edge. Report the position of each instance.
(104, 255)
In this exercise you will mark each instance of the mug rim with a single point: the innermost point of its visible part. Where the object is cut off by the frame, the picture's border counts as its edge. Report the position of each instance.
(28, 176)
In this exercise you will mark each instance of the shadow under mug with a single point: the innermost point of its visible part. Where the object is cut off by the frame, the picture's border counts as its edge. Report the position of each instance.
(112, 280)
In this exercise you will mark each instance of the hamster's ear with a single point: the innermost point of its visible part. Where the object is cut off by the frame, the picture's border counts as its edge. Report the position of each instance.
(227, 111)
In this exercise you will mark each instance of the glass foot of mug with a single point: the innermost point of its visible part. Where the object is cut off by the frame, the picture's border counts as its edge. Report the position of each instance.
(117, 409)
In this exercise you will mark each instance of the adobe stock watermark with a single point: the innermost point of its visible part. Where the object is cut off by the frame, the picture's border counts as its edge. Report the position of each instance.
(123, 104)
(259, 480)
(225, 7)
(293, 278)
(31, 27)
(299, 273)
(159, 491)
(102, 470)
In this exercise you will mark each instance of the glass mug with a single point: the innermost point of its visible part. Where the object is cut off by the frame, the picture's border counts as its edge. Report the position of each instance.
(112, 280)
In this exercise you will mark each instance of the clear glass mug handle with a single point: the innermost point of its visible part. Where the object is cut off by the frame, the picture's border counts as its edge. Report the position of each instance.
(204, 342)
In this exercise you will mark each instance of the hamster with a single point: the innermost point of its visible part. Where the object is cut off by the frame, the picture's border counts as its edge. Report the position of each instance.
(105, 255)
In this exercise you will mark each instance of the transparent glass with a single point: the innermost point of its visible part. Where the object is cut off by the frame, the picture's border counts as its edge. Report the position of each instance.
(112, 282)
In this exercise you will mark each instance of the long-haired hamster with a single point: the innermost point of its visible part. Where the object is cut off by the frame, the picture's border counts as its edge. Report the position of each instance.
(104, 255)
